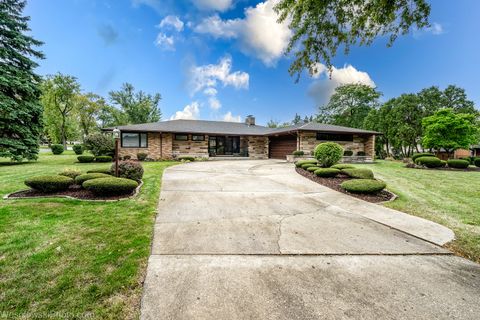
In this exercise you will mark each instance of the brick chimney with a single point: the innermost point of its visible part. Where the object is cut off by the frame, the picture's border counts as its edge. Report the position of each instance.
(250, 120)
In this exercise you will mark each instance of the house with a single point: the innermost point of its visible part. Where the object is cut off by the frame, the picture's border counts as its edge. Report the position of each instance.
(200, 138)
(475, 150)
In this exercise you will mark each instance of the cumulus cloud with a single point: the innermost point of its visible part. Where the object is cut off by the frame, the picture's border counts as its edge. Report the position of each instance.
(189, 112)
(210, 91)
(165, 42)
(216, 5)
(324, 86)
(231, 118)
(171, 22)
(259, 34)
(214, 103)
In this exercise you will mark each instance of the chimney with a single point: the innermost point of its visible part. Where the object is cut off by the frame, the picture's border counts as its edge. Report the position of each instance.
(250, 120)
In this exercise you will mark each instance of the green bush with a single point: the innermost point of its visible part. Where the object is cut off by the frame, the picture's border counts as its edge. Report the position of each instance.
(458, 164)
(422, 154)
(348, 153)
(78, 149)
(85, 159)
(57, 148)
(358, 173)
(103, 159)
(443, 164)
(361, 153)
(341, 166)
(186, 158)
(89, 176)
(299, 163)
(429, 162)
(110, 186)
(328, 153)
(312, 169)
(308, 165)
(298, 153)
(104, 171)
(363, 185)
(100, 144)
(51, 183)
(477, 162)
(141, 156)
(71, 173)
(129, 170)
(327, 172)
(127, 157)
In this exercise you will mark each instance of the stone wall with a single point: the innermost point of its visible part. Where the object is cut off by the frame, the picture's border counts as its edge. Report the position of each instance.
(257, 147)
(190, 148)
(153, 149)
(308, 141)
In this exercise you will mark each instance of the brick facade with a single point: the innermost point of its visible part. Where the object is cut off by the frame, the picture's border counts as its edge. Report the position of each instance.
(190, 148)
(257, 147)
(307, 141)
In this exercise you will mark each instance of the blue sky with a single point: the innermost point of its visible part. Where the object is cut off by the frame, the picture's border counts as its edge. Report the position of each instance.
(222, 59)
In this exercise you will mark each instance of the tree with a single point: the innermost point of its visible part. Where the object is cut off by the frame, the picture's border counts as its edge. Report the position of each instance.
(321, 27)
(350, 105)
(20, 113)
(88, 108)
(138, 107)
(59, 92)
(449, 130)
(272, 123)
(297, 119)
(456, 99)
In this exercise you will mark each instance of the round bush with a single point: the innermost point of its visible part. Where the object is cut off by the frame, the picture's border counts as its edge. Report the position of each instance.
(103, 159)
(49, 183)
(110, 186)
(71, 173)
(458, 164)
(312, 169)
(89, 176)
(443, 163)
(422, 154)
(477, 162)
(363, 185)
(141, 156)
(78, 149)
(186, 158)
(341, 166)
(127, 157)
(299, 163)
(359, 173)
(328, 153)
(348, 153)
(105, 171)
(429, 162)
(85, 159)
(327, 172)
(308, 165)
(129, 170)
(298, 153)
(57, 148)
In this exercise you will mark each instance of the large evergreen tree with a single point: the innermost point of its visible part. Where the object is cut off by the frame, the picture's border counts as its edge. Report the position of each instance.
(20, 110)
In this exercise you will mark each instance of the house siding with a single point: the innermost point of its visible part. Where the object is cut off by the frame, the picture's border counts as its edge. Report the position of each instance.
(257, 147)
(307, 141)
(190, 148)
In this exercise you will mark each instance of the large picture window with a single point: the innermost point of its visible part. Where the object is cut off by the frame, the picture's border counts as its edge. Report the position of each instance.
(198, 137)
(334, 137)
(134, 140)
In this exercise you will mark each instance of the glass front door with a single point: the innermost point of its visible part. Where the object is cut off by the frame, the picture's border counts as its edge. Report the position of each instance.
(223, 145)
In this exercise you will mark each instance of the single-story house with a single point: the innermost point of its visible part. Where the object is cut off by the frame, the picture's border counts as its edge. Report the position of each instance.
(200, 138)
(475, 150)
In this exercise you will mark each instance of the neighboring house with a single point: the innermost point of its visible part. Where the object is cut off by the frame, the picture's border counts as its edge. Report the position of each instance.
(457, 154)
(199, 138)
(475, 150)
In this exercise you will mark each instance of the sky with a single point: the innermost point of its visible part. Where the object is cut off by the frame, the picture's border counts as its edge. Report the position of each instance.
(224, 59)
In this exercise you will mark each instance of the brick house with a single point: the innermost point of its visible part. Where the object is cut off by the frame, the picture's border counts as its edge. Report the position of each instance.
(200, 138)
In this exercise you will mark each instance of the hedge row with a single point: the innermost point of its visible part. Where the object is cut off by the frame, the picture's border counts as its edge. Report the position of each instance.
(110, 186)
(87, 159)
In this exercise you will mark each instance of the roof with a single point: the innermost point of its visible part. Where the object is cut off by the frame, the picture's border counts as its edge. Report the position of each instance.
(233, 128)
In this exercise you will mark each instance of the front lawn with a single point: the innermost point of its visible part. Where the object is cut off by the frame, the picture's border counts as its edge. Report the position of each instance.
(451, 198)
(73, 258)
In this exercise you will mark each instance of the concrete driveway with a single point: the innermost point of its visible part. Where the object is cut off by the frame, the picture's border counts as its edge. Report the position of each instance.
(255, 240)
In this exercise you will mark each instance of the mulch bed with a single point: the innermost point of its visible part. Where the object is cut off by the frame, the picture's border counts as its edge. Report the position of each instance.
(74, 191)
(334, 183)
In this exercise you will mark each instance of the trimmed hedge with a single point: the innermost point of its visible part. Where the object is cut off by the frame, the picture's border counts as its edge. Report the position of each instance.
(443, 163)
(477, 162)
(110, 186)
(51, 183)
(308, 165)
(328, 153)
(78, 149)
(71, 173)
(186, 158)
(327, 172)
(299, 163)
(104, 171)
(358, 173)
(429, 162)
(312, 169)
(129, 170)
(422, 154)
(103, 159)
(89, 176)
(348, 153)
(363, 185)
(57, 148)
(85, 159)
(458, 164)
(341, 166)
(298, 153)
(141, 156)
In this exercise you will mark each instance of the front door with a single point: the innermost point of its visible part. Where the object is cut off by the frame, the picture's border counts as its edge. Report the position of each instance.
(223, 145)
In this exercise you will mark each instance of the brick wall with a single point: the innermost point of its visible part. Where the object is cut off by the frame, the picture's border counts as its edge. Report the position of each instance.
(307, 141)
(153, 150)
(257, 147)
(190, 148)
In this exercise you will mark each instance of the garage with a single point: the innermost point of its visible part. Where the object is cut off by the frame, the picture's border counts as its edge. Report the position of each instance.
(281, 146)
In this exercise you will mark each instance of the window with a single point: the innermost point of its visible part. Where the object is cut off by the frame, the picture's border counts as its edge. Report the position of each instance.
(134, 140)
(334, 136)
(181, 136)
(197, 137)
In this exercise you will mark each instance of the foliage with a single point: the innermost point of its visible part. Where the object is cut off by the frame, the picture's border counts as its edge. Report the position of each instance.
(320, 28)
(299, 163)
(85, 159)
(327, 172)
(429, 162)
(348, 153)
(298, 153)
(103, 159)
(421, 154)
(328, 153)
(477, 162)
(88, 108)
(19, 89)
(308, 165)
(363, 185)
(141, 156)
(110, 186)
(57, 148)
(71, 173)
(458, 164)
(341, 166)
(359, 173)
(312, 169)
(101, 170)
(129, 170)
(186, 158)
(100, 144)
(89, 176)
(78, 149)
(48, 184)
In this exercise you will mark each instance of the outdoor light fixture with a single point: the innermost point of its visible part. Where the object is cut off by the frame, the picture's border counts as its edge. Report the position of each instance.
(116, 134)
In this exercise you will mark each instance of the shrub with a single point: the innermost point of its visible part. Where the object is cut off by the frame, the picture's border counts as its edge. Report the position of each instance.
(477, 162)
(458, 164)
(78, 149)
(327, 172)
(85, 159)
(298, 153)
(89, 176)
(328, 153)
(341, 166)
(49, 183)
(312, 169)
(308, 165)
(100, 144)
(127, 157)
(363, 185)
(358, 173)
(141, 156)
(299, 163)
(103, 159)
(57, 148)
(361, 153)
(71, 173)
(110, 186)
(104, 171)
(348, 153)
(186, 158)
(422, 154)
(129, 170)
(443, 164)
(429, 162)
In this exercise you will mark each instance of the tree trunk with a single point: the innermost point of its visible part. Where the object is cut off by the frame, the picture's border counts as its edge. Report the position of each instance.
(64, 138)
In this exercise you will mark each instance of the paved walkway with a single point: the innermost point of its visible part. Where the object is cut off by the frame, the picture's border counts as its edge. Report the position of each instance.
(255, 240)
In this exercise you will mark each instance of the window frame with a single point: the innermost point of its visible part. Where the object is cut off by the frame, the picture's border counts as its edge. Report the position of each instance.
(198, 135)
(181, 134)
(139, 139)
(345, 137)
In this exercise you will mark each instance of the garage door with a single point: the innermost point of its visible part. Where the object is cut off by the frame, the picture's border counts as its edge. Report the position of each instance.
(279, 147)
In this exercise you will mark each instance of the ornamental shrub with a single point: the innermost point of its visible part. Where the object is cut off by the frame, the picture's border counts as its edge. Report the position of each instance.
(363, 185)
(358, 173)
(299, 163)
(341, 166)
(328, 153)
(141, 156)
(443, 164)
(51, 183)
(105, 171)
(130, 170)
(458, 164)
(422, 154)
(89, 176)
(110, 186)
(186, 158)
(308, 165)
(57, 148)
(85, 159)
(327, 172)
(100, 144)
(429, 162)
(72, 173)
(103, 159)
(298, 153)
(78, 149)
(348, 153)
(477, 162)
(312, 169)
(127, 157)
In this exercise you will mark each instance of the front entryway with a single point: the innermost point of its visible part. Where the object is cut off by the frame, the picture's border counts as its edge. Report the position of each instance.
(223, 145)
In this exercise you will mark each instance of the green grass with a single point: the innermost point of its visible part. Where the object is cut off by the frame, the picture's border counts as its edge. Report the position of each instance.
(81, 258)
(451, 198)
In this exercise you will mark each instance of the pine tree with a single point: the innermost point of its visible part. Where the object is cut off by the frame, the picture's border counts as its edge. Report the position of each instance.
(20, 110)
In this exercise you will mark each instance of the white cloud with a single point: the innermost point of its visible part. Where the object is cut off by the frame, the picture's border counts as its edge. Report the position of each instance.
(214, 103)
(210, 91)
(165, 42)
(190, 112)
(171, 22)
(322, 89)
(217, 5)
(435, 29)
(258, 33)
(231, 118)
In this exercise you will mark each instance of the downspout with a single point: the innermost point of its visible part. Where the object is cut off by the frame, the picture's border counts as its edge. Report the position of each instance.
(161, 147)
